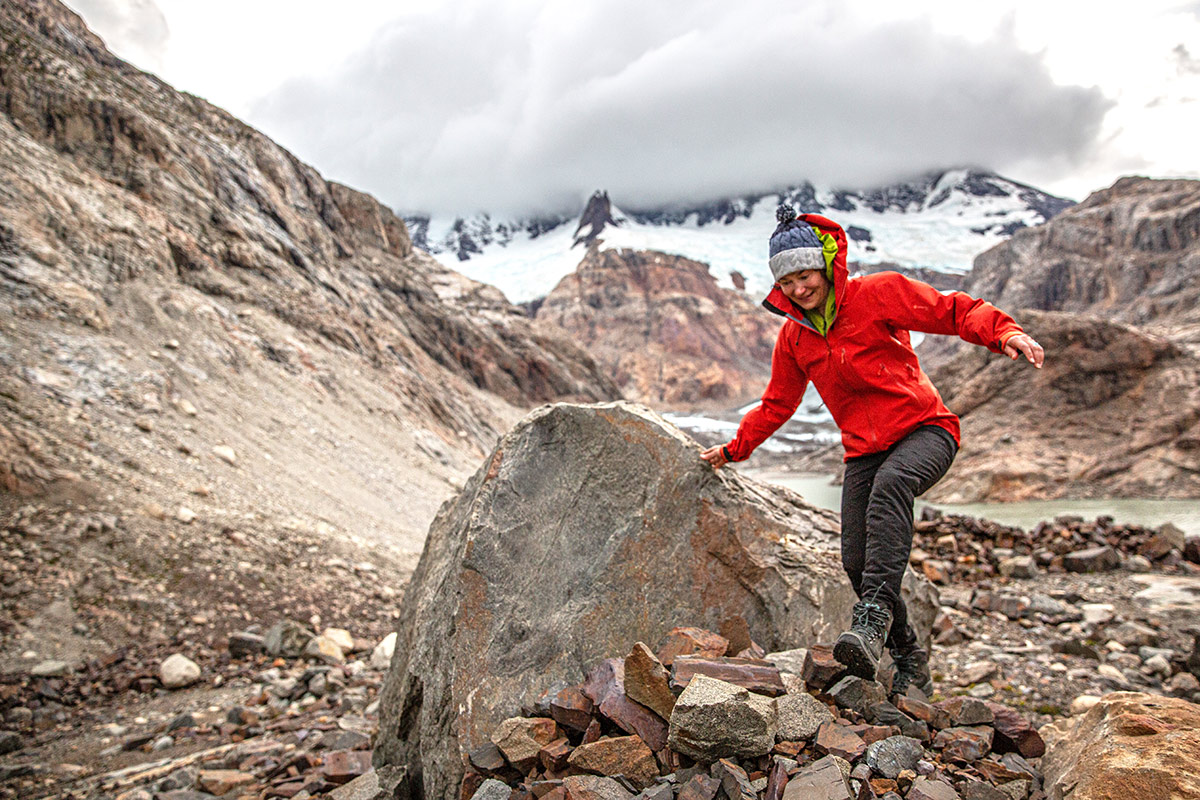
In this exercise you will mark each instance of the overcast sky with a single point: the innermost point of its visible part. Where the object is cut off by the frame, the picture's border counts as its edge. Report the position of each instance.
(527, 105)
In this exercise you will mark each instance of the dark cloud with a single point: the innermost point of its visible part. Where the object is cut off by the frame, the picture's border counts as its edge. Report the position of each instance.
(514, 107)
(136, 29)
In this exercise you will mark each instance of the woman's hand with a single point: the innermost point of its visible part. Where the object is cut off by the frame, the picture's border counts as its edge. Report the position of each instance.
(715, 456)
(1023, 343)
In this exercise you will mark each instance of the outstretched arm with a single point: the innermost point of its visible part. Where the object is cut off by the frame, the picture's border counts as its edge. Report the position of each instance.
(916, 306)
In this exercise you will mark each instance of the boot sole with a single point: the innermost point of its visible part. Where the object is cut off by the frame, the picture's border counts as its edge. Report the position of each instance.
(852, 651)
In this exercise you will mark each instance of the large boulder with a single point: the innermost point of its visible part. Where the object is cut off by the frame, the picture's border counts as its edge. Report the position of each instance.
(588, 529)
(1127, 745)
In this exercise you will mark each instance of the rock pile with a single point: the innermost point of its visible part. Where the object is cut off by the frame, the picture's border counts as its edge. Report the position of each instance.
(952, 547)
(587, 529)
(687, 722)
(298, 719)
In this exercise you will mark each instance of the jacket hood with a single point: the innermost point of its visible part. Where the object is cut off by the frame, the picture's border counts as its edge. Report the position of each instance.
(778, 303)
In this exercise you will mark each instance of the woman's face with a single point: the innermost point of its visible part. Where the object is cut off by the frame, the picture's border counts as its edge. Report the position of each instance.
(807, 288)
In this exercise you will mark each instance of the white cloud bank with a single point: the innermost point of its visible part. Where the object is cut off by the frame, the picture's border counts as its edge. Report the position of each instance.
(519, 106)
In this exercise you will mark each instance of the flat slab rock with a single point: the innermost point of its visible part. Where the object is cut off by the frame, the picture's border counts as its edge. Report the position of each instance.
(587, 529)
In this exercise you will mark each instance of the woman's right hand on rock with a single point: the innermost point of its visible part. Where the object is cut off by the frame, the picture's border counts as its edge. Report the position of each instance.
(715, 456)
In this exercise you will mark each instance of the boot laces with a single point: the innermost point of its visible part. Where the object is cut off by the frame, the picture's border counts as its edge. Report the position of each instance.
(870, 616)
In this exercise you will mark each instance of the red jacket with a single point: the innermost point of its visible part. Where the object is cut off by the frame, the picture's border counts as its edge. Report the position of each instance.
(865, 369)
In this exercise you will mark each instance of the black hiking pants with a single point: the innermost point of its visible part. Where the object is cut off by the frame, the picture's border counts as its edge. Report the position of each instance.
(877, 518)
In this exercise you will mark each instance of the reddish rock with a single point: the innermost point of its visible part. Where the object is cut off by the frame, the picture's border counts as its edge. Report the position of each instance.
(1093, 559)
(789, 749)
(343, 766)
(996, 772)
(470, 784)
(735, 784)
(873, 733)
(521, 738)
(223, 781)
(755, 650)
(572, 709)
(1015, 733)
(1140, 725)
(621, 755)
(926, 712)
(691, 641)
(820, 667)
(737, 634)
(884, 785)
(760, 677)
(557, 793)
(776, 781)
(647, 681)
(929, 789)
(964, 744)
(554, 755)
(592, 734)
(1089, 757)
(967, 711)
(838, 740)
(700, 787)
(605, 685)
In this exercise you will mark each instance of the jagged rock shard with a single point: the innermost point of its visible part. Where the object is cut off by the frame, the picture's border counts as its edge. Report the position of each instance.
(605, 686)
(686, 641)
(619, 755)
(754, 674)
(647, 682)
(1015, 733)
(714, 719)
(588, 529)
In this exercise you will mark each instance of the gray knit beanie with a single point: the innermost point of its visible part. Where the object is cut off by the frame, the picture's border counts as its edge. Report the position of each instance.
(794, 245)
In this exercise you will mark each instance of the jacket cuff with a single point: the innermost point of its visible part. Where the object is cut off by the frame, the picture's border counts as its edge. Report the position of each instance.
(725, 452)
(1004, 337)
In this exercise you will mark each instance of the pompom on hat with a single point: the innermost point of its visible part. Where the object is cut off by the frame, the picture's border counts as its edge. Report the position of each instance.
(795, 246)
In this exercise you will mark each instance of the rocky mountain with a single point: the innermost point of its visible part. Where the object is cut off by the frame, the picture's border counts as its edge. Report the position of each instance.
(202, 338)
(1115, 412)
(940, 221)
(1130, 253)
(663, 329)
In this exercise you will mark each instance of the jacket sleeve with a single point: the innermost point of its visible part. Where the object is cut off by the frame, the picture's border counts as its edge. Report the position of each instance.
(779, 402)
(912, 305)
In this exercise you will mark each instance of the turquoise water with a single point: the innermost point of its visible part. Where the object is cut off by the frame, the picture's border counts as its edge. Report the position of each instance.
(1185, 514)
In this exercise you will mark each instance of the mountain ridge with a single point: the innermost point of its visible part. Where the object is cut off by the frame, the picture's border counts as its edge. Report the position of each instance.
(939, 220)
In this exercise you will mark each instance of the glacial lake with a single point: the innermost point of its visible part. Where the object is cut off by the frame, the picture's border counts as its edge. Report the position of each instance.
(1185, 514)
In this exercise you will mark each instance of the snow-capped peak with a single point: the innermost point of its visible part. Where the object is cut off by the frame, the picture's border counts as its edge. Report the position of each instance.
(939, 221)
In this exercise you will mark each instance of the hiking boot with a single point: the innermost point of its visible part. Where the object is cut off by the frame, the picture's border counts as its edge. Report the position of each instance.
(861, 647)
(912, 669)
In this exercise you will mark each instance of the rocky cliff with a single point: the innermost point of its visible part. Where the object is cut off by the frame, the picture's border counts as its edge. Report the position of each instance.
(664, 329)
(1130, 252)
(193, 320)
(1115, 412)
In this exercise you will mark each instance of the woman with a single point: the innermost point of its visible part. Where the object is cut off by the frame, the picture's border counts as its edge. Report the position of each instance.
(851, 339)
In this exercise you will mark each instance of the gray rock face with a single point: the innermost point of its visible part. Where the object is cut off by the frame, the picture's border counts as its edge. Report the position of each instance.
(492, 789)
(590, 528)
(893, 754)
(288, 639)
(714, 719)
(858, 694)
(799, 715)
